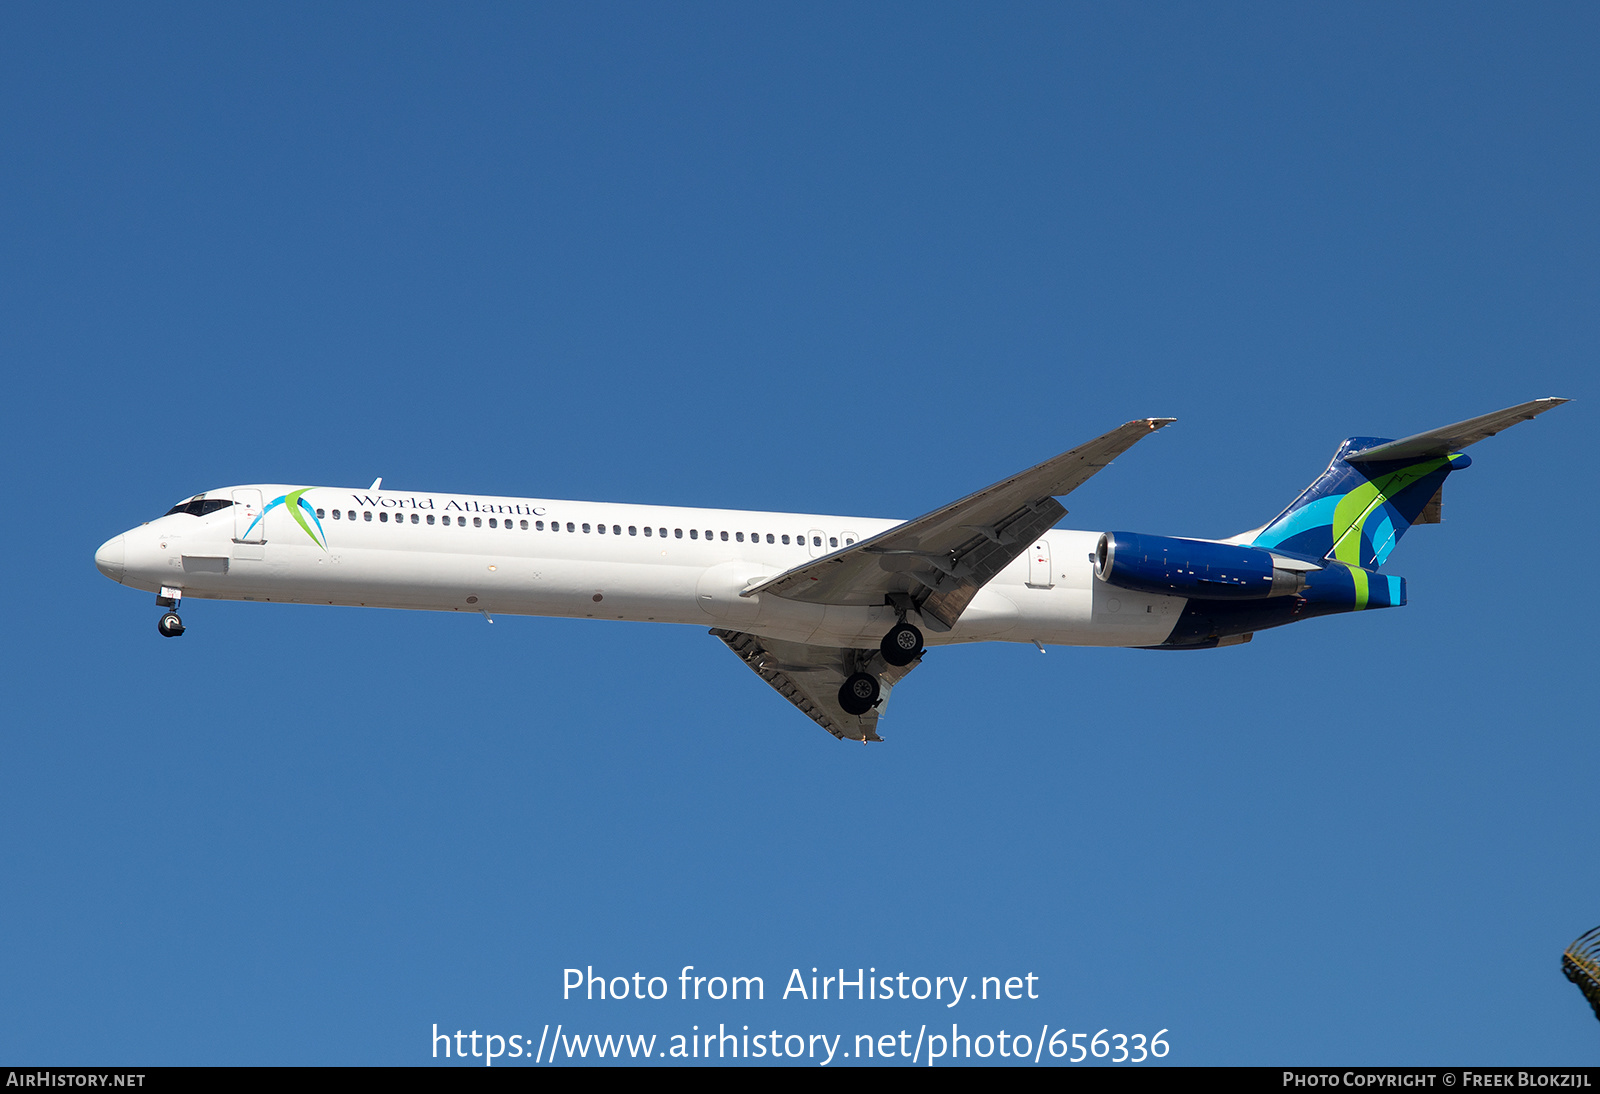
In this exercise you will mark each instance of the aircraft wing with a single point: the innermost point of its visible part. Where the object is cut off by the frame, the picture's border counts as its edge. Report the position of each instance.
(942, 559)
(810, 677)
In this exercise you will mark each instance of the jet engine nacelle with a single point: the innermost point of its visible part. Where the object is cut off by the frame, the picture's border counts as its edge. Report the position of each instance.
(1190, 567)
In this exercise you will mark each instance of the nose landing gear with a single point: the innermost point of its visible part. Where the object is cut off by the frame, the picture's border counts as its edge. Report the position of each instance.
(171, 624)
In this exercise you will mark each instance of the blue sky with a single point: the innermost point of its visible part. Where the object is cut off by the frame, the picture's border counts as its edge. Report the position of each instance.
(815, 258)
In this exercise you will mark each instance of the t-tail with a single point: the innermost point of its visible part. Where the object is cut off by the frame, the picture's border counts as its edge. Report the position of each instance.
(1321, 555)
(1374, 490)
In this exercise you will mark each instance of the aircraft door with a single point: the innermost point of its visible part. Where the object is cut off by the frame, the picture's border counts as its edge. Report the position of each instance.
(817, 542)
(1039, 576)
(247, 525)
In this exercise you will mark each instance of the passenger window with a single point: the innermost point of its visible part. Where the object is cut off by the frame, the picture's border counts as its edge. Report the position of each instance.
(739, 536)
(663, 533)
(337, 514)
(647, 529)
(633, 529)
(415, 519)
(430, 518)
(601, 528)
(616, 529)
(833, 541)
(725, 537)
(524, 525)
(538, 526)
(769, 538)
(571, 527)
(383, 518)
(585, 529)
(367, 515)
(677, 533)
(320, 514)
(785, 539)
(816, 541)
(350, 514)
(492, 523)
(694, 533)
(477, 522)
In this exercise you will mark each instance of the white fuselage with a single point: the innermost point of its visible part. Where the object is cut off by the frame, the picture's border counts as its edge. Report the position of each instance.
(646, 563)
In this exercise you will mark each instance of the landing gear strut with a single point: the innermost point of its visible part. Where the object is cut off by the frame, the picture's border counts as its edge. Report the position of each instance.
(859, 693)
(171, 625)
(902, 645)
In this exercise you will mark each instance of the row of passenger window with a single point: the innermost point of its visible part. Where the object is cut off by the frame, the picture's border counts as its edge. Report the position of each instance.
(599, 529)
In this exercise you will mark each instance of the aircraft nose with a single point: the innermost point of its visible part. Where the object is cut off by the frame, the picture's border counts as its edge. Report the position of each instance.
(110, 557)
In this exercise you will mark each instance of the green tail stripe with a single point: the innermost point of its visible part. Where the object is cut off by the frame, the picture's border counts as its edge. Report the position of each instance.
(1350, 515)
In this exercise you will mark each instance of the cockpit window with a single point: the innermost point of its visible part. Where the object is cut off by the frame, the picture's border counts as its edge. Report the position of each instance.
(199, 506)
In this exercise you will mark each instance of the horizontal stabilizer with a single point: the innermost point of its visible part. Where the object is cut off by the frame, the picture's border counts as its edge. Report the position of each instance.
(1453, 438)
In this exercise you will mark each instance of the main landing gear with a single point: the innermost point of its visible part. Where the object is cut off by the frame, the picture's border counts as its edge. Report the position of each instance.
(171, 624)
(859, 693)
(902, 645)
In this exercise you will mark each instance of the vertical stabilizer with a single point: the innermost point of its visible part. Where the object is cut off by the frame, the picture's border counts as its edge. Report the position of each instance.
(1375, 489)
(1357, 511)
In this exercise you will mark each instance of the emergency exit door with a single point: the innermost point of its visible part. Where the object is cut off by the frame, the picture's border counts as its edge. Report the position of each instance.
(1039, 576)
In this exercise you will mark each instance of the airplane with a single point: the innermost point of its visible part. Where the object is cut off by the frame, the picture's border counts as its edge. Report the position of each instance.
(831, 611)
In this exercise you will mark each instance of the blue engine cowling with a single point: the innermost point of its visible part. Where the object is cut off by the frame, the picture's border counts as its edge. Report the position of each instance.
(1190, 567)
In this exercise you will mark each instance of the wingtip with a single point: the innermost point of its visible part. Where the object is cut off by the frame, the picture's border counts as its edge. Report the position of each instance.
(1158, 423)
